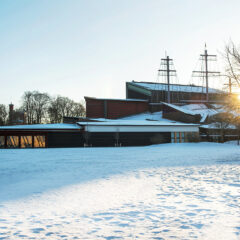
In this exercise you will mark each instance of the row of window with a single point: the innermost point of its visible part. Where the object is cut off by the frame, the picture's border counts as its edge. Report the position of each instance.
(177, 137)
(22, 141)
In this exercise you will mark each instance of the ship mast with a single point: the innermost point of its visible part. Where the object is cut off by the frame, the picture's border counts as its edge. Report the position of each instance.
(230, 85)
(206, 73)
(166, 62)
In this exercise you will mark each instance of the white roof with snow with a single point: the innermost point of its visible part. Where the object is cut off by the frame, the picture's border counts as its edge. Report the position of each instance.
(217, 126)
(118, 99)
(179, 108)
(41, 126)
(157, 116)
(175, 87)
(194, 109)
(136, 123)
(203, 110)
(138, 126)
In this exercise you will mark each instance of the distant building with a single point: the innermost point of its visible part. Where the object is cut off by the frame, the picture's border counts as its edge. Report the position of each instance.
(16, 117)
(144, 118)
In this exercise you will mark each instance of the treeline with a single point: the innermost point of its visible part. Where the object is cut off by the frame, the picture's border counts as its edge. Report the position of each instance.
(40, 107)
(3, 115)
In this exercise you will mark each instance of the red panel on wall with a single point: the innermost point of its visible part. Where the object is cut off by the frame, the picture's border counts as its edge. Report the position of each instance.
(94, 108)
(114, 108)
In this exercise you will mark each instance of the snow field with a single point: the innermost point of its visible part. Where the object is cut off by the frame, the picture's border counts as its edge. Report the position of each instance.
(170, 191)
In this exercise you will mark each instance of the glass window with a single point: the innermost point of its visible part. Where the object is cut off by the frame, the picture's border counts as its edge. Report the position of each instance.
(172, 137)
(26, 141)
(39, 141)
(2, 141)
(175, 137)
(183, 137)
(12, 141)
(178, 135)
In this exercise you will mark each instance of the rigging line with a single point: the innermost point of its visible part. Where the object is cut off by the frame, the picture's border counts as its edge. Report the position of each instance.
(193, 82)
(178, 92)
(195, 67)
(156, 82)
(201, 80)
(220, 75)
(156, 90)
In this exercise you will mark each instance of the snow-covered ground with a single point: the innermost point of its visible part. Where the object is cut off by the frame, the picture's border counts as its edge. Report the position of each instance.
(168, 191)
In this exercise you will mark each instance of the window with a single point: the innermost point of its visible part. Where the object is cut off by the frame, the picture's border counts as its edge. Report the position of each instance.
(2, 141)
(182, 137)
(39, 141)
(177, 137)
(12, 141)
(26, 141)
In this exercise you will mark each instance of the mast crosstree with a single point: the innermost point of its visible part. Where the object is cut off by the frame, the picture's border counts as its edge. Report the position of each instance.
(205, 73)
(167, 62)
(230, 85)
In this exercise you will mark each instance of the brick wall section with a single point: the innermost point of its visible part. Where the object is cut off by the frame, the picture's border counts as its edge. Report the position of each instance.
(113, 109)
(117, 109)
(94, 108)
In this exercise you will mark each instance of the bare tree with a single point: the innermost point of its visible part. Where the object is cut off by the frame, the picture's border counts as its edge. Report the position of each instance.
(78, 110)
(35, 105)
(63, 106)
(66, 106)
(28, 106)
(223, 120)
(3, 114)
(232, 106)
(41, 107)
(41, 101)
(237, 124)
(59, 107)
(54, 110)
(232, 61)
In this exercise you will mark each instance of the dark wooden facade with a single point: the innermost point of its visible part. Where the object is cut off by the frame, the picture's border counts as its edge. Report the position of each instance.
(114, 108)
(111, 139)
(64, 139)
(53, 138)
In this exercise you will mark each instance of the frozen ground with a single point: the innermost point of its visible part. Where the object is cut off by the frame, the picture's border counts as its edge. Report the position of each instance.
(169, 191)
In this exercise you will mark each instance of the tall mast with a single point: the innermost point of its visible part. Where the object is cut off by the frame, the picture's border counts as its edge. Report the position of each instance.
(166, 62)
(206, 73)
(230, 84)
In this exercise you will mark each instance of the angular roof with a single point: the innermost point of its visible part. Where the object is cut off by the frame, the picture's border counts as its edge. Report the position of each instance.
(174, 87)
(194, 109)
(118, 99)
(179, 108)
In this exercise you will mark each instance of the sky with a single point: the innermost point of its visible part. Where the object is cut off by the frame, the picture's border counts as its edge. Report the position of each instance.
(78, 48)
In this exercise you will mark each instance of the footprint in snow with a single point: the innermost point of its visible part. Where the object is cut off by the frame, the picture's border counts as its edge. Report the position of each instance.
(37, 230)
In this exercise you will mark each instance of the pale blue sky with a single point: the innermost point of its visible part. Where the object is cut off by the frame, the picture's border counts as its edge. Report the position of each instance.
(82, 48)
